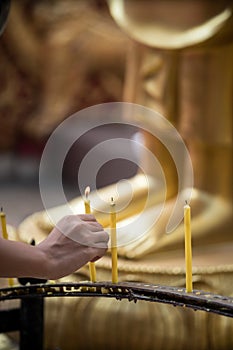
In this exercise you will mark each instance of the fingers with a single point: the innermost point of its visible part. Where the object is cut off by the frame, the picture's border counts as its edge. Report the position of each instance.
(98, 251)
(99, 256)
(100, 237)
(86, 217)
(94, 227)
(97, 240)
(85, 230)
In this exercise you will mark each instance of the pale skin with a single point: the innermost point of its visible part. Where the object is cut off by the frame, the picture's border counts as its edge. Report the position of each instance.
(57, 255)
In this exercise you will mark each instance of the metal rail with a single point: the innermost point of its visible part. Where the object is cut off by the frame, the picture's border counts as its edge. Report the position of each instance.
(197, 300)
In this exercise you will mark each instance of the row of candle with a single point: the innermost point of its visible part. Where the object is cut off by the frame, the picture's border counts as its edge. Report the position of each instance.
(188, 243)
(113, 230)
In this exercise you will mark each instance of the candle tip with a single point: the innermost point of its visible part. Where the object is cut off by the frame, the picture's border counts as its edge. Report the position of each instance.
(87, 191)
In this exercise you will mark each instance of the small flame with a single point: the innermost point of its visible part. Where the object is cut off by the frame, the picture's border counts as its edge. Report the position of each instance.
(87, 191)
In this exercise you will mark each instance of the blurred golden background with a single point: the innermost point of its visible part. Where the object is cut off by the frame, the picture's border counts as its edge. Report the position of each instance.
(175, 57)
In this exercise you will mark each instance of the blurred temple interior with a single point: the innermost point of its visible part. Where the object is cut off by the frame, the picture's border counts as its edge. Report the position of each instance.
(56, 59)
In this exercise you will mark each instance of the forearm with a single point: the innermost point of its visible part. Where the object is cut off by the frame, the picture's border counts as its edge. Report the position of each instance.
(21, 260)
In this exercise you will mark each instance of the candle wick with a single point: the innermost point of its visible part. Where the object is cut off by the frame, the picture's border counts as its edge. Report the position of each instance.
(1, 209)
(186, 202)
(87, 191)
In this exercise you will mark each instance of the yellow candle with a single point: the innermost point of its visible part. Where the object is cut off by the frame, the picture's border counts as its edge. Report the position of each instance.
(5, 236)
(188, 248)
(113, 242)
(87, 201)
(92, 269)
(3, 223)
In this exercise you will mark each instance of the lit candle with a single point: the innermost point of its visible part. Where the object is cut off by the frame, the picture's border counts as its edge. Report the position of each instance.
(92, 269)
(87, 200)
(188, 248)
(113, 242)
(5, 236)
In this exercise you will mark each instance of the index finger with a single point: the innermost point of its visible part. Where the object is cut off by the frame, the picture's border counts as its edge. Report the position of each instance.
(86, 217)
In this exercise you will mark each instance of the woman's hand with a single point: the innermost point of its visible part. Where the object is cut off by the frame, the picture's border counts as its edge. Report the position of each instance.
(76, 240)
